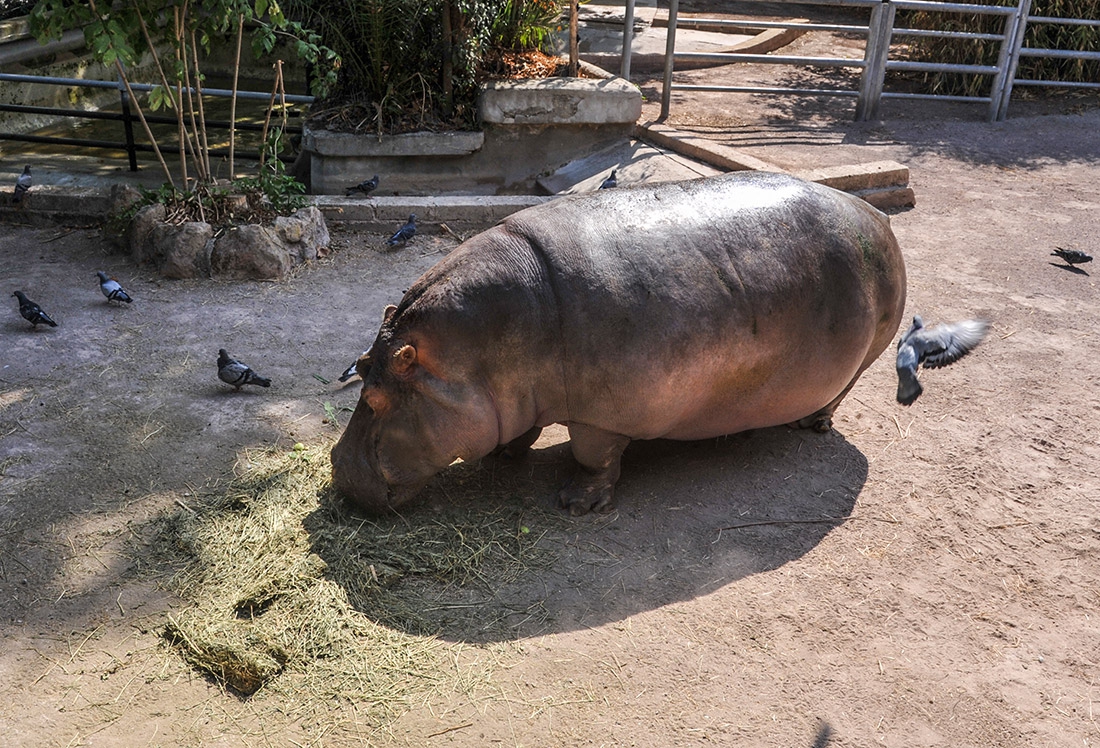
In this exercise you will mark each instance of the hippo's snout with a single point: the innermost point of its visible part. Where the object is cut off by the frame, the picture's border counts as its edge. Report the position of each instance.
(354, 476)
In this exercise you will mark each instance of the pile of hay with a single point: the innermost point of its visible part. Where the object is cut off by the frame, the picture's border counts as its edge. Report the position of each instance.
(293, 594)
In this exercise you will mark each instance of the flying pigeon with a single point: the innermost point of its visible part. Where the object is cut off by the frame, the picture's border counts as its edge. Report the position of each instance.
(111, 289)
(237, 374)
(366, 187)
(352, 370)
(32, 312)
(935, 347)
(404, 233)
(1071, 256)
(609, 182)
(22, 184)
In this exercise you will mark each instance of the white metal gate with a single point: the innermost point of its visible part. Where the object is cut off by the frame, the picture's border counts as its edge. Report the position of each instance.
(880, 31)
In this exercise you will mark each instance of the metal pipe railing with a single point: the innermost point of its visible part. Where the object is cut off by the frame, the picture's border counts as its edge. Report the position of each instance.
(127, 118)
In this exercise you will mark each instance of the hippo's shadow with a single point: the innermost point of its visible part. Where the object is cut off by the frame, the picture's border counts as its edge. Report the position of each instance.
(485, 555)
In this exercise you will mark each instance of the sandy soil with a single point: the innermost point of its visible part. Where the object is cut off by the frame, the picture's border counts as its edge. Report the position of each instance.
(937, 585)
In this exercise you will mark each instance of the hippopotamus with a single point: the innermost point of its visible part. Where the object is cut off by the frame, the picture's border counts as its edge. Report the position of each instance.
(684, 310)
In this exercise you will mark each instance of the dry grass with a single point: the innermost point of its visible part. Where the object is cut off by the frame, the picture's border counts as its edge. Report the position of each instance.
(291, 595)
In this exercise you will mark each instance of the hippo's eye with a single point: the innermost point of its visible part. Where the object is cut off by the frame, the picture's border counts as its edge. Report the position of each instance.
(376, 400)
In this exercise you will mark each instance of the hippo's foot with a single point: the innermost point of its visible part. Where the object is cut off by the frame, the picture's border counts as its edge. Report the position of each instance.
(519, 446)
(821, 422)
(585, 493)
(591, 489)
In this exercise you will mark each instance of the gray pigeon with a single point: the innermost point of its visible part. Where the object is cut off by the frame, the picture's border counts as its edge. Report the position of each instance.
(237, 374)
(367, 186)
(22, 184)
(610, 182)
(352, 370)
(32, 312)
(404, 233)
(935, 347)
(1072, 256)
(111, 288)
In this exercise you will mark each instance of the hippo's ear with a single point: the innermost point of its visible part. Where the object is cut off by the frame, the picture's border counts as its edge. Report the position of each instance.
(404, 360)
(388, 312)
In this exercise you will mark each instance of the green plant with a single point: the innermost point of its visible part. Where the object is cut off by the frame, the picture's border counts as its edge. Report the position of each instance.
(416, 64)
(525, 24)
(176, 35)
(985, 52)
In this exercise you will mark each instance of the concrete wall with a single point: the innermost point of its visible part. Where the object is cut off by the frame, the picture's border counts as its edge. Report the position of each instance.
(529, 128)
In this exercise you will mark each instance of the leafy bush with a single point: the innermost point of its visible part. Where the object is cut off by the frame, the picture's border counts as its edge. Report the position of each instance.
(178, 37)
(415, 64)
(982, 52)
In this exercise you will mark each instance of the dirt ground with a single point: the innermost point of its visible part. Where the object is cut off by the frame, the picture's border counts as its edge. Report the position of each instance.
(920, 576)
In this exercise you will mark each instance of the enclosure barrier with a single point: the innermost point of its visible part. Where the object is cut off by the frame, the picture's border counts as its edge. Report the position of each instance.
(127, 117)
(879, 32)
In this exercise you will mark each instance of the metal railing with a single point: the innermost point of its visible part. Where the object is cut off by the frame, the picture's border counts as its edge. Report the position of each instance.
(879, 32)
(127, 116)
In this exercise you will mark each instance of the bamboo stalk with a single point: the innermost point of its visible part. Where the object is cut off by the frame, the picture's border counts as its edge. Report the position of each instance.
(193, 144)
(270, 106)
(233, 98)
(205, 143)
(179, 104)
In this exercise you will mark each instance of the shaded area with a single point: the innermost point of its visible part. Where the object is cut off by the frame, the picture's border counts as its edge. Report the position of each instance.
(757, 501)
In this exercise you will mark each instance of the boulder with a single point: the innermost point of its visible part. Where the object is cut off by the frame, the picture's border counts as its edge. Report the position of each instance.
(304, 234)
(141, 231)
(183, 250)
(250, 252)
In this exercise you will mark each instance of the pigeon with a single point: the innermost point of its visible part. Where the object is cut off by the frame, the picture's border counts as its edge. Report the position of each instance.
(609, 182)
(366, 187)
(935, 347)
(22, 184)
(232, 371)
(404, 233)
(111, 289)
(352, 370)
(1072, 256)
(32, 312)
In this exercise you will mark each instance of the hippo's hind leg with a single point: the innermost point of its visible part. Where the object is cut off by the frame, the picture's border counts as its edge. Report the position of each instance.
(592, 487)
(519, 446)
(821, 421)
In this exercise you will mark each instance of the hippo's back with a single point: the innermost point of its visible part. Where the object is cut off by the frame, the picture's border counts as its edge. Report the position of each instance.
(701, 308)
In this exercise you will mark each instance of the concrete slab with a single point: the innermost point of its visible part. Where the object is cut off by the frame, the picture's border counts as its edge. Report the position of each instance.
(635, 162)
(548, 101)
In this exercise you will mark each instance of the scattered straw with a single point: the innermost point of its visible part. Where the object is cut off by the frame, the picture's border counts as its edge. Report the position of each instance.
(291, 595)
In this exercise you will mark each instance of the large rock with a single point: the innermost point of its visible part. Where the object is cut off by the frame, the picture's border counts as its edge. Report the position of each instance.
(141, 232)
(183, 250)
(304, 234)
(250, 252)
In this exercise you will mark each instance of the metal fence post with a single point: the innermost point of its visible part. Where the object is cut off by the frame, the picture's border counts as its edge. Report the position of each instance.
(628, 39)
(1007, 62)
(128, 126)
(879, 31)
(670, 52)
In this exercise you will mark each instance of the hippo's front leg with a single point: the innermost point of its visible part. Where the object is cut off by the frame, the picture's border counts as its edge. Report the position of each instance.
(592, 487)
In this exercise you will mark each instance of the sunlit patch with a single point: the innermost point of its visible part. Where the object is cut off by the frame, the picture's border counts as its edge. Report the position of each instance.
(12, 397)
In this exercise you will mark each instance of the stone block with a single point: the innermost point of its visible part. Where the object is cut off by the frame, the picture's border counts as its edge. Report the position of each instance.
(853, 177)
(574, 101)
